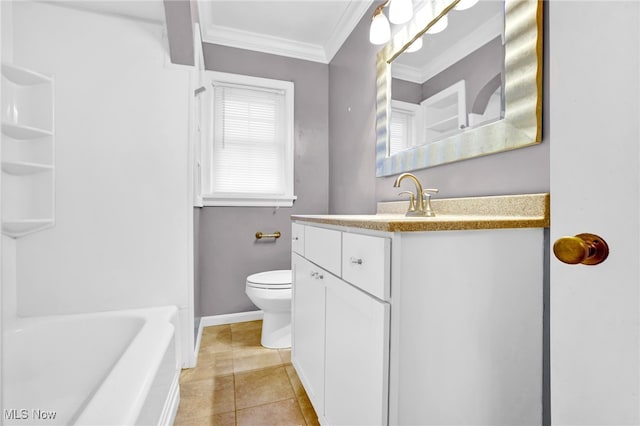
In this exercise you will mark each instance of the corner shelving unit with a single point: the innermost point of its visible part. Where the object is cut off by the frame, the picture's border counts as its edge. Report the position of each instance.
(445, 113)
(28, 164)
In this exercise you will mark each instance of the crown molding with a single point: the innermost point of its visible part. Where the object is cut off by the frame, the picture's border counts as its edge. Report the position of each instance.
(348, 21)
(240, 39)
(258, 42)
(407, 73)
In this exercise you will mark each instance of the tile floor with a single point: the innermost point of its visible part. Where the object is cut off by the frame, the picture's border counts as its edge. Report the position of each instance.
(239, 382)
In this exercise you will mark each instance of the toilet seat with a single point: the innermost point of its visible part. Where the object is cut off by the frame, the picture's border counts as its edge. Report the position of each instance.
(271, 280)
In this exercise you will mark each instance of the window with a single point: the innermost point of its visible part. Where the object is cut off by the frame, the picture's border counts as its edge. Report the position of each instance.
(249, 142)
(404, 126)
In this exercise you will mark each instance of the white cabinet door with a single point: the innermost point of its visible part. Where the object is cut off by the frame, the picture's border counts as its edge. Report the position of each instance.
(357, 349)
(307, 353)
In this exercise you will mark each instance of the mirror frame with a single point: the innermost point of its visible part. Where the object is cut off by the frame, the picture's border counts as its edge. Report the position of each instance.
(522, 122)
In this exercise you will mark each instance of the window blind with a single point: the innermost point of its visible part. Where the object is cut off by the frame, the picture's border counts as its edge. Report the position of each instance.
(249, 141)
(399, 131)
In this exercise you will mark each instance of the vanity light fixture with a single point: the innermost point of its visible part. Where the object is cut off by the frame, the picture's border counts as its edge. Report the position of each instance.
(400, 12)
(380, 31)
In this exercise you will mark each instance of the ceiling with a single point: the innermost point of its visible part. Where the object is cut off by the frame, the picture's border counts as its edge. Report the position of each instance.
(312, 30)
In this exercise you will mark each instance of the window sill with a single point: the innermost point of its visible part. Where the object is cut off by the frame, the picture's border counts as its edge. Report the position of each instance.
(247, 201)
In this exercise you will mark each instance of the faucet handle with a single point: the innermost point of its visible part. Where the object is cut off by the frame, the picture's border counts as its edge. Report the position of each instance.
(426, 197)
(412, 200)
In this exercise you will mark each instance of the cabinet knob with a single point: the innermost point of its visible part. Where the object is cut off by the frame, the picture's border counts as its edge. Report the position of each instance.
(587, 249)
(356, 261)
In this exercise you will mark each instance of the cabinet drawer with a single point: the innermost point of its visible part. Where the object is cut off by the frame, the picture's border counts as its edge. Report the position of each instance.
(297, 238)
(366, 263)
(323, 247)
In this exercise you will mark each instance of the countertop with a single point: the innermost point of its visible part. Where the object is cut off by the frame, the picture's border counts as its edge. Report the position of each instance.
(492, 212)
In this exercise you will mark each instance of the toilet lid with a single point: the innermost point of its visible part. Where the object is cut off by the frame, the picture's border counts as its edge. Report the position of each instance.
(271, 278)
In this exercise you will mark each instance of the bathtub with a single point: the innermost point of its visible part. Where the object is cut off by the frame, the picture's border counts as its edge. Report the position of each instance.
(111, 368)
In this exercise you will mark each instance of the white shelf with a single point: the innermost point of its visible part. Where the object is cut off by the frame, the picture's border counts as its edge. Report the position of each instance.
(20, 131)
(445, 125)
(21, 168)
(22, 227)
(28, 168)
(23, 76)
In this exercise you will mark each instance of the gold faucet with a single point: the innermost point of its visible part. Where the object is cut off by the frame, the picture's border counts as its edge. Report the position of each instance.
(422, 204)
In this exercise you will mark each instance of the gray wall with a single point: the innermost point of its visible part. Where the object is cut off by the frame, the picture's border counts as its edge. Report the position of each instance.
(406, 91)
(476, 69)
(196, 265)
(179, 18)
(352, 118)
(353, 185)
(228, 251)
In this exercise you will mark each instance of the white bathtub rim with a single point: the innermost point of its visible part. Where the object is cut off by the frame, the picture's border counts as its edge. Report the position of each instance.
(16, 323)
(157, 332)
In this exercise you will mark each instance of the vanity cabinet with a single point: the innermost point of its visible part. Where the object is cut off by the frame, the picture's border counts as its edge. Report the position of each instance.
(424, 328)
(340, 342)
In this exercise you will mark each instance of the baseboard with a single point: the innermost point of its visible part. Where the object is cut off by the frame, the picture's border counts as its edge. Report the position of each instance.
(230, 318)
(221, 320)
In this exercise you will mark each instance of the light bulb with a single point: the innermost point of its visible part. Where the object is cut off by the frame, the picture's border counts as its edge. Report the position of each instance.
(400, 11)
(415, 46)
(465, 4)
(380, 31)
(440, 25)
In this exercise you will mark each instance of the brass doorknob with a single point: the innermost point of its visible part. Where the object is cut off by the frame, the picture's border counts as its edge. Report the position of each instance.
(587, 249)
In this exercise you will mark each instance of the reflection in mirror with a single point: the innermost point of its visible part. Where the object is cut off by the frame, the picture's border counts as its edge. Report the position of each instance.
(452, 80)
(471, 89)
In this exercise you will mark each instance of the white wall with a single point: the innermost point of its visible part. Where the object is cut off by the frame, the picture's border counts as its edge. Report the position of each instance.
(4, 35)
(121, 124)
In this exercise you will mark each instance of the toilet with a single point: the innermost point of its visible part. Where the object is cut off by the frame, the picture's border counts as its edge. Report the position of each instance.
(271, 292)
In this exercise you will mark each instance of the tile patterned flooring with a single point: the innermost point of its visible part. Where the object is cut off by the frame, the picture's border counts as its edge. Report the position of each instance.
(239, 382)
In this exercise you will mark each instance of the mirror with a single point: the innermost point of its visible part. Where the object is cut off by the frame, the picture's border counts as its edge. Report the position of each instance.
(473, 89)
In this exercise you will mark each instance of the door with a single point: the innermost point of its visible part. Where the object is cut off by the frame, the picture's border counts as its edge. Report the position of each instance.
(356, 356)
(594, 98)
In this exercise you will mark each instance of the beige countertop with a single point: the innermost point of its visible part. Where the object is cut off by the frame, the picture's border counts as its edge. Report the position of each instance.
(492, 212)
